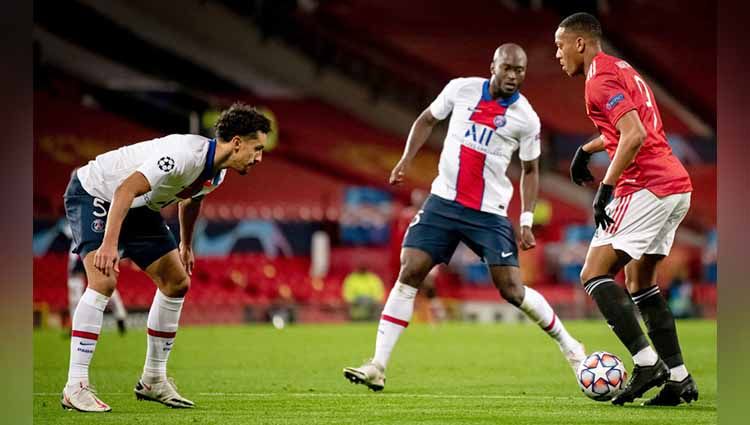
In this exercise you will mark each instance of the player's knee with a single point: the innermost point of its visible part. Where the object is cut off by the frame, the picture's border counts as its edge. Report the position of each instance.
(512, 292)
(411, 276)
(179, 287)
(414, 269)
(587, 273)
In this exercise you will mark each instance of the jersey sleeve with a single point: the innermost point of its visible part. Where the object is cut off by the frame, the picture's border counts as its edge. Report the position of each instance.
(529, 144)
(442, 106)
(162, 167)
(609, 95)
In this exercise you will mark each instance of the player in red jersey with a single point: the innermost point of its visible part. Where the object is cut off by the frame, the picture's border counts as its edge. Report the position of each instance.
(635, 230)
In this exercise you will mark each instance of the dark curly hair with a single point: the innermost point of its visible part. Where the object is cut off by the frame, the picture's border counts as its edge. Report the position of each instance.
(241, 120)
(583, 23)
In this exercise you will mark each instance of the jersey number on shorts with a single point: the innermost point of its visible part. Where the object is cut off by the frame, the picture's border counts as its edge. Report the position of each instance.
(643, 88)
(99, 204)
(416, 218)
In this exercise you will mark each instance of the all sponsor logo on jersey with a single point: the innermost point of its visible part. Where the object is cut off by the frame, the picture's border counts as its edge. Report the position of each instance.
(97, 225)
(482, 137)
(500, 121)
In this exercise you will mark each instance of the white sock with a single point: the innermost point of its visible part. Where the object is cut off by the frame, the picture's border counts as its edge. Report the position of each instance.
(118, 308)
(397, 313)
(162, 328)
(75, 291)
(646, 357)
(87, 323)
(538, 309)
(678, 373)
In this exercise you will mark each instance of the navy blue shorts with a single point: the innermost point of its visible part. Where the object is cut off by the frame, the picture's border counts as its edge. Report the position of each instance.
(144, 237)
(441, 224)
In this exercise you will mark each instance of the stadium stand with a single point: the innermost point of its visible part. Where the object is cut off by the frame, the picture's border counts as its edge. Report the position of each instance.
(325, 152)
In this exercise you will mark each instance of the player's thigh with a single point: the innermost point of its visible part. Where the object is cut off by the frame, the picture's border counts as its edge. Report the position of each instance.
(145, 237)
(416, 264)
(639, 217)
(678, 206)
(97, 280)
(430, 239)
(492, 238)
(641, 274)
(169, 274)
(603, 260)
(86, 217)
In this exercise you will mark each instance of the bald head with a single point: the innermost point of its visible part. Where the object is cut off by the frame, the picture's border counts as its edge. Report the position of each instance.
(510, 51)
(508, 69)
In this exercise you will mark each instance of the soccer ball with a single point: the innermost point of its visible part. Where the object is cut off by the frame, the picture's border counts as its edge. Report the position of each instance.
(601, 376)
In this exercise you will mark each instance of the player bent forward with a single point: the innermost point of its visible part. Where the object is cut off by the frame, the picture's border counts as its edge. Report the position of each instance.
(112, 205)
(491, 120)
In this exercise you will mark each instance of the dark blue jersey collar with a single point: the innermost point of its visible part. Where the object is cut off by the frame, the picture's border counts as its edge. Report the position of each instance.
(503, 101)
(209, 167)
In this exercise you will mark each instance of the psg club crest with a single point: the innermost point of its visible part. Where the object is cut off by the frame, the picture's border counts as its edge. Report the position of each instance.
(166, 164)
(499, 120)
(97, 225)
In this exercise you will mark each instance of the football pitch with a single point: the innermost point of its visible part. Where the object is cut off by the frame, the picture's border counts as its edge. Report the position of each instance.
(454, 373)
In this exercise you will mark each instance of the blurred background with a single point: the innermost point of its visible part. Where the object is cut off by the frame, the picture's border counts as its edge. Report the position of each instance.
(313, 233)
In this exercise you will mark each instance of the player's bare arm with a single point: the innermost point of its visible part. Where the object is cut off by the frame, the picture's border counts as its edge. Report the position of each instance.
(106, 257)
(188, 211)
(632, 135)
(529, 192)
(594, 145)
(418, 135)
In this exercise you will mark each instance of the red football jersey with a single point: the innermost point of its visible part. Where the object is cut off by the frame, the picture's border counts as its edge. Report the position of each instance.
(614, 88)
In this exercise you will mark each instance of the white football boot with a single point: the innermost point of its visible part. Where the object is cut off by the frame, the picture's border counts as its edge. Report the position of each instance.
(575, 356)
(164, 392)
(83, 399)
(370, 374)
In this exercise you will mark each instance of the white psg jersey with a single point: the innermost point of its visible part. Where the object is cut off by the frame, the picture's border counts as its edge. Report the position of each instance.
(482, 135)
(178, 166)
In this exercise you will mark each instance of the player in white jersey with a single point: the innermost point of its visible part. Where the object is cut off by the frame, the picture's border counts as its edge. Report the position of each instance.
(112, 205)
(490, 120)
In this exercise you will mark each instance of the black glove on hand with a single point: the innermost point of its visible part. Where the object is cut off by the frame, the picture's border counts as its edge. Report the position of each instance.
(602, 198)
(579, 168)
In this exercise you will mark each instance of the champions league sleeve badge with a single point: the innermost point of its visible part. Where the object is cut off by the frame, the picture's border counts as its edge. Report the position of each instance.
(166, 164)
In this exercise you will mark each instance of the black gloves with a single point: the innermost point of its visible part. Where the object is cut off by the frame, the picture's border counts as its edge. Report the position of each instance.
(579, 168)
(602, 198)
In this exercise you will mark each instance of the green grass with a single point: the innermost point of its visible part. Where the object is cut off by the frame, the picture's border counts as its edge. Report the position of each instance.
(450, 374)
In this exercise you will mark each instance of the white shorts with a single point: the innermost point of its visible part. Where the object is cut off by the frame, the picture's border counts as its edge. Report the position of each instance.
(644, 223)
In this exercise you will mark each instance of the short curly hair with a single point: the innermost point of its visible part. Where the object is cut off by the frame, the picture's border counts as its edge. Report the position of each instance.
(241, 120)
(583, 23)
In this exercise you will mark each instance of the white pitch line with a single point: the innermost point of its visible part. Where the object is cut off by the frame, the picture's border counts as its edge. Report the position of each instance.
(400, 395)
(349, 395)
